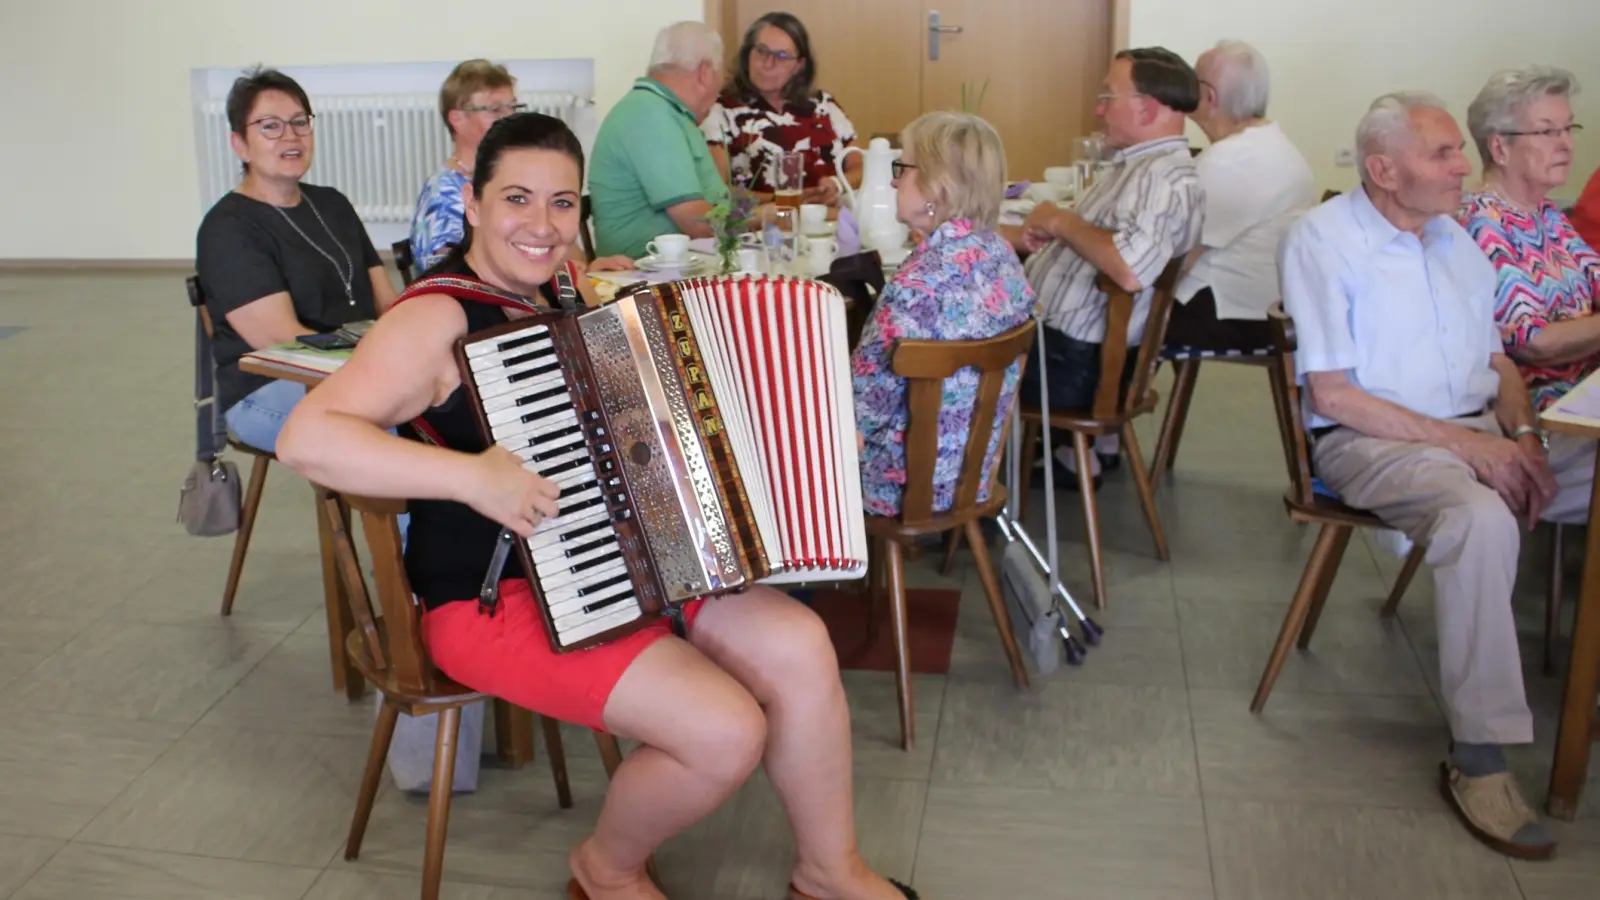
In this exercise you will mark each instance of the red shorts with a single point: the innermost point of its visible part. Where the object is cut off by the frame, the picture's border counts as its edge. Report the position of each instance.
(508, 656)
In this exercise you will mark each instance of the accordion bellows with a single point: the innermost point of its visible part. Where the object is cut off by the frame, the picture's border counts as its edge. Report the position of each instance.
(703, 435)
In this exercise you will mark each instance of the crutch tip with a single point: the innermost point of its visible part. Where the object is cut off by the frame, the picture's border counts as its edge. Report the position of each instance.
(1092, 632)
(1075, 652)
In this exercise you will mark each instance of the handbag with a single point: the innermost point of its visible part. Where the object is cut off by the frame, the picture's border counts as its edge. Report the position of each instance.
(210, 500)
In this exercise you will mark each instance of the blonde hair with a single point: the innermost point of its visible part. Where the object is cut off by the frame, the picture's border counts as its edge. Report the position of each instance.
(961, 165)
(467, 79)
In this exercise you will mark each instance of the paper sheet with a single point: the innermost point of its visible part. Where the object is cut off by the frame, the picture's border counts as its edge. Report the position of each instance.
(1581, 405)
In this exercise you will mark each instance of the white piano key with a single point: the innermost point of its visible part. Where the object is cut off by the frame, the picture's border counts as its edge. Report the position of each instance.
(555, 536)
(488, 361)
(573, 611)
(558, 588)
(491, 346)
(598, 626)
(531, 413)
(554, 553)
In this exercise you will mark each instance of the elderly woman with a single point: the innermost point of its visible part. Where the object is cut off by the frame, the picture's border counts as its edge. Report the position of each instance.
(962, 282)
(771, 105)
(278, 259)
(1549, 277)
(751, 679)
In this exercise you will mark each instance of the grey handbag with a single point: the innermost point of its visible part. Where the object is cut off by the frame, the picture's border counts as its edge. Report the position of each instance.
(208, 504)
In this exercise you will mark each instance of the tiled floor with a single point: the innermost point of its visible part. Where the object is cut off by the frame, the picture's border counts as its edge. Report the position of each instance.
(153, 750)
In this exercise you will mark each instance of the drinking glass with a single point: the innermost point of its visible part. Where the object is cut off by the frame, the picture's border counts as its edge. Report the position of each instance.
(780, 232)
(788, 178)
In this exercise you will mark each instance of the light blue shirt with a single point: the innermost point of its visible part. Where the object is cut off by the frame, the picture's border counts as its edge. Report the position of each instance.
(1410, 320)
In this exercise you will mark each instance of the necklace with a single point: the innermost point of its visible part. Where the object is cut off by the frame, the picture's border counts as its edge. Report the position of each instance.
(345, 278)
(459, 166)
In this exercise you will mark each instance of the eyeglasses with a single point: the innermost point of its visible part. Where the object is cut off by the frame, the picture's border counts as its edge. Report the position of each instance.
(271, 127)
(498, 110)
(1564, 131)
(780, 56)
(1109, 97)
(898, 168)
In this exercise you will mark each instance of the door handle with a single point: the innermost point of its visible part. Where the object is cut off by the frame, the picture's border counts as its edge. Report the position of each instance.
(935, 29)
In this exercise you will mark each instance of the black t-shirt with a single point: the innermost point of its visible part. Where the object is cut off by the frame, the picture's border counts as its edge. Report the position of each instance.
(246, 250)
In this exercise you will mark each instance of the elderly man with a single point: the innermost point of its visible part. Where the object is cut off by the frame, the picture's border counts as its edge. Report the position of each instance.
(1135, 219)
(1256, 185)
(1417, 415)
(651, 172)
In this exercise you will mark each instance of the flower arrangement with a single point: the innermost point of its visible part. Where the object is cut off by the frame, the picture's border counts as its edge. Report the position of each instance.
(730, 219)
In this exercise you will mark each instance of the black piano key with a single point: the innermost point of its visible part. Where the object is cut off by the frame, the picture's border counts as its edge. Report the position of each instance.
(527, 357)
(602, 604)
(592, 545)
(591, 528)
(600, 586)
(523, 341)
(577, 507)
(568, 466)
(575, 489)
(544, 412)
(547, 394)
(554, 452)
(534, 373)
(597, 561)
(546, 437)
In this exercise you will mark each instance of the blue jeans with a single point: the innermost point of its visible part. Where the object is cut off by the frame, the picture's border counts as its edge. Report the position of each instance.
(257, 419)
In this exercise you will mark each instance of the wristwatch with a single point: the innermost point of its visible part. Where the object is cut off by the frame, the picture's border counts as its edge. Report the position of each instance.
(1544, 439)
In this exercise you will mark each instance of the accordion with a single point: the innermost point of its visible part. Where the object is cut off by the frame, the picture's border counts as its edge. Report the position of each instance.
(703, 437)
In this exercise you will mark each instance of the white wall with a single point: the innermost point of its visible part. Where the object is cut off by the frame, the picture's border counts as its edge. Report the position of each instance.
(99, 150)
(1330, 58)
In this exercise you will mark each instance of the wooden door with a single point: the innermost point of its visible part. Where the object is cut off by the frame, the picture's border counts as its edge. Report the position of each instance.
(1044, 61)
(868, 55)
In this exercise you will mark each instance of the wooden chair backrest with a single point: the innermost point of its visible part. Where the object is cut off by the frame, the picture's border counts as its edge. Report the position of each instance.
(1286, 396)
(197, 299)
(404, 261)
(1109, 399)
(397, 646)
(925, 365)
(585, 227)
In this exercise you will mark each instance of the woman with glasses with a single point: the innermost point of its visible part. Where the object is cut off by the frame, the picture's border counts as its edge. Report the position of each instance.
(771, 106)
(278, 259)
(1549, 276)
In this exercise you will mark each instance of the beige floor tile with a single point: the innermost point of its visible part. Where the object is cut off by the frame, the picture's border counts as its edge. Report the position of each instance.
(1573, 875)
(1280, 851)
(20, 857)
(58, 771)
(350, 885)
(25, 641)
(278, 590)
(291, 691)
(1067, 734)
(875, 723)
(1010, 842)
(1321, 748)
(86, 872)
(238, 794)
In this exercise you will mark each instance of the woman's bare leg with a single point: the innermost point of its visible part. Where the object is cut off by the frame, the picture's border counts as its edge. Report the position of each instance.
(780, 651)
(703, 735)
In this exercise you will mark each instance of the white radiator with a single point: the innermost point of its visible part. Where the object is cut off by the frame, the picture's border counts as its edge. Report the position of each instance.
(377, 149)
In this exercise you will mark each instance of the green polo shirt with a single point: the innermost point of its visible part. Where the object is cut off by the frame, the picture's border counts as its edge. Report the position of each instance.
(649, 155)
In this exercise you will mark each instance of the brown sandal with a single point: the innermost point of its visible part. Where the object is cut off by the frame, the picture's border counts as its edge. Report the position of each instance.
(795, 894)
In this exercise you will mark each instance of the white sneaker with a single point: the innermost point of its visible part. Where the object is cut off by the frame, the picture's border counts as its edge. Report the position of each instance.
(1393, 541)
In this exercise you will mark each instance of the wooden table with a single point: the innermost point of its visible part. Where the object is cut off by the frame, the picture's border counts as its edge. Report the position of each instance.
(1580, 726)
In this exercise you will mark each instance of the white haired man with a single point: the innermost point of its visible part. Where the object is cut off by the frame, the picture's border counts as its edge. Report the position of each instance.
(1256, 185)
(1417, 415)
(651, 172)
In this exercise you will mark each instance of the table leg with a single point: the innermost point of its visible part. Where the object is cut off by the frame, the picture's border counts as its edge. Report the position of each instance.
(1575, 734)
(341, 622)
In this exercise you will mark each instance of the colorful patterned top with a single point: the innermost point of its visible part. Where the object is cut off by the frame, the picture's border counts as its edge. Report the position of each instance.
(959, 284)
(1546, 272)
(440, 219)
(753, 132)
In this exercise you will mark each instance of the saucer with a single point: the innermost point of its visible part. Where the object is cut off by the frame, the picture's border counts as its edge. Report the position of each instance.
(692, 262)
(827, 230)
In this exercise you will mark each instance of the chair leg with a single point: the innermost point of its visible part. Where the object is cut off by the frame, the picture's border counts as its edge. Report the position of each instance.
(1403, 580)
(1552, 603)
(997, 603)
(1310, 579)
(952, 543)
(444, 767)
(610, 751)
(1147, 491)
(902, 645)
(1091, 515)
(382, 736)
(513, 734)
(1030, 448)
(558, 760)
(876, 579)
(1185, 373)
(1329, 570)
(247, 523)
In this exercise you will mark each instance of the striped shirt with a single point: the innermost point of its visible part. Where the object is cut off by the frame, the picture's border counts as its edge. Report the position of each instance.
(1151, 200)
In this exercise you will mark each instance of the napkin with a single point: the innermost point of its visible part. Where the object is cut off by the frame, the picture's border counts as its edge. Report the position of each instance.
(847, 234)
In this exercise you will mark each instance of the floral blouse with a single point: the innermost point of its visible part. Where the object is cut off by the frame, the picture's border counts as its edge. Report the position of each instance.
(960, 284)
(440, 219)
(1546, 272)
(754, 132)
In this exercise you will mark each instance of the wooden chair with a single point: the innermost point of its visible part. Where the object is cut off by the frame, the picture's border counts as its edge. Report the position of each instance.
(859, 277)
(403, 260)
(926, 364)
(389, 653)
(260, 461)
(1113, 412)
(1304, 504)
(1186, 371)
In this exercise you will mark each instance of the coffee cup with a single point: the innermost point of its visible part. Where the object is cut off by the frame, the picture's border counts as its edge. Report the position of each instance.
(750, 259)
(821, 251)
(813, 218)
(669, 248)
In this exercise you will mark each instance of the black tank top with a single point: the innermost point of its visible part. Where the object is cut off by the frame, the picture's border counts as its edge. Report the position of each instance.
(448, 544)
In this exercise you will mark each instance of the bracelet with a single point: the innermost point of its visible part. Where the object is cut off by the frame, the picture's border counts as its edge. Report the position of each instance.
(1544, 439)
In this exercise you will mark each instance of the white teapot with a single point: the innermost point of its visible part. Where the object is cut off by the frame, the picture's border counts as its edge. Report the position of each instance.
(874, 203)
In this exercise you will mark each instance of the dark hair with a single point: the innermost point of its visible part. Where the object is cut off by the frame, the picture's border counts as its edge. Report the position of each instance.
(251, 85)
(799, 90)
(519, 131)
(1162, 75)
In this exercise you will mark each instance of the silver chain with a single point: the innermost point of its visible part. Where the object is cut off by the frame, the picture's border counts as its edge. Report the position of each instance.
(347, 279)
